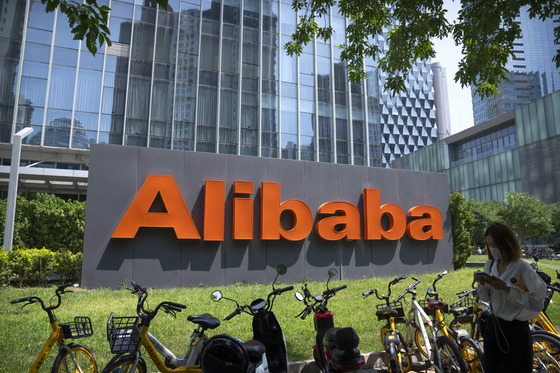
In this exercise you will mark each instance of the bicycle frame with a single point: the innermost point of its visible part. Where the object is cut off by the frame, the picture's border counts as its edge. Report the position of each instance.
(156, 350)
(419, 315)
(57, 337)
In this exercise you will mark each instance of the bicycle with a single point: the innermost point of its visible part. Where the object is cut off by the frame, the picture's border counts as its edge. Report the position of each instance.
(469, 348)
(127, 336)
(444, 354)
(546, 345)
(390, 336)
(71, 357)
(470, 309)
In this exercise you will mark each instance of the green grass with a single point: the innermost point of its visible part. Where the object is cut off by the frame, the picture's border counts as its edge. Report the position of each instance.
(23, 331)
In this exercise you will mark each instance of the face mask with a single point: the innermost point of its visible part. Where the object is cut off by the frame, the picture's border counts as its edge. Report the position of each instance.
(496, 253)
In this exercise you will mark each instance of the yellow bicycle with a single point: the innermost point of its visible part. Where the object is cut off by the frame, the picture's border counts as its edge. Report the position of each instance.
(436, 308)
(71, 357)
(128, 335)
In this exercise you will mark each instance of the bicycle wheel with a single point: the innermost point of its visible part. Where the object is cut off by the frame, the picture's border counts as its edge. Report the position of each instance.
(449, 358)
(546, 352)
(419, 339)
(84, 358)
(124, 365)
(472, 354)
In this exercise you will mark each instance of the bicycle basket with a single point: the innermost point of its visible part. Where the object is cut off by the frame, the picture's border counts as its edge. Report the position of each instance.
(467, 303)
(123, 334)
(79, 328)
(397, 306)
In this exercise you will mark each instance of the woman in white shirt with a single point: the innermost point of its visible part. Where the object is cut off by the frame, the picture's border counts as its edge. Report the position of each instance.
(516, 294)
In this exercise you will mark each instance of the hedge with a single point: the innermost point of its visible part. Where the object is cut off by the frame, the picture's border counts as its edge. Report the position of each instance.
(45, 220)
(38, 266)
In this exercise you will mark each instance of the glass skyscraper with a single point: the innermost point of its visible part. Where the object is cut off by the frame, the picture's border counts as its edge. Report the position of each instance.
(532, 73)
(203, 75)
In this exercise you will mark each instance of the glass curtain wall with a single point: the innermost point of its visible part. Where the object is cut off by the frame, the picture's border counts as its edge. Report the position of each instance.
(201, 75)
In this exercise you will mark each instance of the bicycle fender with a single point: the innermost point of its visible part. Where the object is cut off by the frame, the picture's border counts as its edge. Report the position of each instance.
(392, 338)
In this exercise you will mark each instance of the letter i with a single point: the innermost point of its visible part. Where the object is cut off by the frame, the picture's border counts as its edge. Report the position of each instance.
(214, 210)
(242, 211)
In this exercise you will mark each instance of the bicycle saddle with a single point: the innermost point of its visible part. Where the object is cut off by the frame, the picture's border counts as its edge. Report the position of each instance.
(205, 320)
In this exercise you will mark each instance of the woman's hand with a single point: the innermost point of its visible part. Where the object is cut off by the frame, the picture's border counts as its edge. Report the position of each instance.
(497, 283)
(486, 279)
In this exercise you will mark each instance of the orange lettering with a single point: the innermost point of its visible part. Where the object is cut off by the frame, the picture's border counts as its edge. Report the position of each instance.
(271, 210)
(374, 211)
(350, 219)
(214, 210)
(432, 222)
(242, 211)
(138, 214)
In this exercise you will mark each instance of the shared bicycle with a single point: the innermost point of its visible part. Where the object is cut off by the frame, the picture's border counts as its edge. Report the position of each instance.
(71, 357)
(441, 352)
(127, 336)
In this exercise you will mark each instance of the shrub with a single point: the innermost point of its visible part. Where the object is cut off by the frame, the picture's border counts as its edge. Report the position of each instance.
(47, 221)
(38, 266)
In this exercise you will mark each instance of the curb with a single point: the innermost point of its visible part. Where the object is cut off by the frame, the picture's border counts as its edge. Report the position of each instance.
(374, 361)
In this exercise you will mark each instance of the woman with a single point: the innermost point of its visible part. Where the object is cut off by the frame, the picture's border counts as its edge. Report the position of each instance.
(516, 294)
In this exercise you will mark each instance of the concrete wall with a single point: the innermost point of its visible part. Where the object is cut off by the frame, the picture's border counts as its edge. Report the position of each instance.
(155, 257)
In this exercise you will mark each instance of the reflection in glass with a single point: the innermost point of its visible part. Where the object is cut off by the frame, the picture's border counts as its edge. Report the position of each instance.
(61, 90)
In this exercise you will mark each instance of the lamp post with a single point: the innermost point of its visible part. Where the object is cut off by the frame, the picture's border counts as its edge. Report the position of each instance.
(12, 188)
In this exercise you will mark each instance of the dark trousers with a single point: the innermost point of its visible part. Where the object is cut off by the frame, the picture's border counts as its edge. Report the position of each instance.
(510, 352)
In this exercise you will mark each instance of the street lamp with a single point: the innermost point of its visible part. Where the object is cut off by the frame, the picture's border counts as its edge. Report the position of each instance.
(12, 188)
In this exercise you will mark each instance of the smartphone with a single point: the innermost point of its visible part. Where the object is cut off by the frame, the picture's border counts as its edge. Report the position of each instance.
(484, 275)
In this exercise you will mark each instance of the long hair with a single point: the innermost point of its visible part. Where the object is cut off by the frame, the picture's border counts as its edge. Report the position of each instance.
(505, 239)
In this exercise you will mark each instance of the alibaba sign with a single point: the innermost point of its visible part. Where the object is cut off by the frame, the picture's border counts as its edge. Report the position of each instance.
(342, 220)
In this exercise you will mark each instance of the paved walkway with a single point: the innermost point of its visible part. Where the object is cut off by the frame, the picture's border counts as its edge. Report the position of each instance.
(374, 363)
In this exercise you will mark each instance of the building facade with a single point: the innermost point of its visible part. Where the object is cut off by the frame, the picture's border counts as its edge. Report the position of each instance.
(203, 75)
(532, 72)
(517, 151)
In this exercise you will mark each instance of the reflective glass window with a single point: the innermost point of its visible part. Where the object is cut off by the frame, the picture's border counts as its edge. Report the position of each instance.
(89, 90)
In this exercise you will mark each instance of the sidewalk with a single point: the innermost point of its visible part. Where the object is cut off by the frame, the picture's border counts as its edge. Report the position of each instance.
(374, 363)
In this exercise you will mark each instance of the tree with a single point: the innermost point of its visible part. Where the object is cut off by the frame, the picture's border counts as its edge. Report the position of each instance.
(556, 222)
(527, 215)
(87, 20)
(462, 222)
(486, 30)
(485, 213)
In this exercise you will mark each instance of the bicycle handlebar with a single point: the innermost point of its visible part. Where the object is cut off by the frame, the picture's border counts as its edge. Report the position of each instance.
(61, 289)
(439, 277)
(409, 288)
(237, 311)
(333, 290)
(26, 299)
(282, 290)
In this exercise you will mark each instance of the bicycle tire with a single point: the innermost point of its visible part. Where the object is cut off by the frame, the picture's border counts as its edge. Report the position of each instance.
(63, 362)
(419, 339)
(449, 358)
(396, 368)
(472, 354)
(123, 363)
(546, 351)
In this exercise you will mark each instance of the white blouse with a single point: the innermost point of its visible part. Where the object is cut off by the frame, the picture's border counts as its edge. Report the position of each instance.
(519, 304)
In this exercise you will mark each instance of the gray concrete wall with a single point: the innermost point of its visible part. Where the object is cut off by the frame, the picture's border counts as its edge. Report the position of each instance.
(155, 257)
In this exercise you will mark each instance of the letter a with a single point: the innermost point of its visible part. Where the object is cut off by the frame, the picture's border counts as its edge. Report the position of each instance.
(373, 214)
(429, 226)
(138, 214)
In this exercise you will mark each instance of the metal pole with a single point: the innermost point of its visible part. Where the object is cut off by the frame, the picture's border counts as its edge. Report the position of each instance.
(12, 188)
